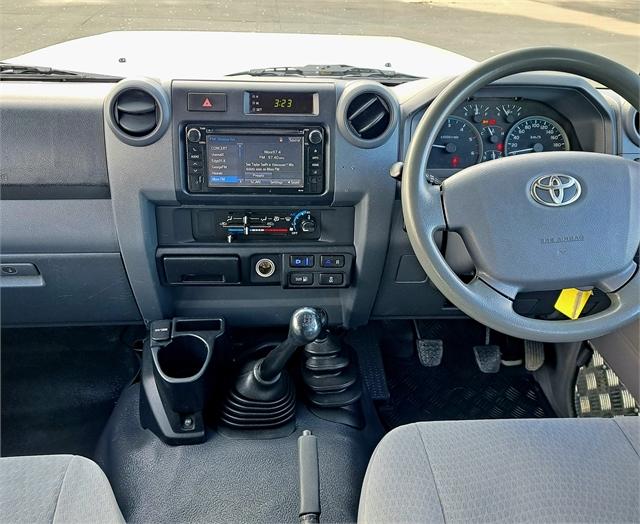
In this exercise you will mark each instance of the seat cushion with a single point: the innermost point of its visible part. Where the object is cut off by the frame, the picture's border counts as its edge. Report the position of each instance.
(546, 470)
(55, 488)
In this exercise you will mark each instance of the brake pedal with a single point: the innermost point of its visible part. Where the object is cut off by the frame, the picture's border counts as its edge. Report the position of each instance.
(429, 350)
(488, 357)
(533, 355)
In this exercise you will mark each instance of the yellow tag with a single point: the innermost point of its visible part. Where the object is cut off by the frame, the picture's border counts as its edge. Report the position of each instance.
(571, 302)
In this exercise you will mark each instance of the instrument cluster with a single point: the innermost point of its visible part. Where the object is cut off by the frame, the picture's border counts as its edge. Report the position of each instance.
(486, 129)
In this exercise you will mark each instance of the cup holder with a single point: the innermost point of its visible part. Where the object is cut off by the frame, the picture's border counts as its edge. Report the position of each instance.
(179, 369)
(183, 358)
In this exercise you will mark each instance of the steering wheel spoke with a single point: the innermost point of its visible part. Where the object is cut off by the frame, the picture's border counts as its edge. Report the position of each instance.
(430, 211)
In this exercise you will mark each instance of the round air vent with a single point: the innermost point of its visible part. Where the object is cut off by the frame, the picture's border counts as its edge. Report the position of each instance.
(367, 114)
(135, 112)
(631, 122)
(138, 111)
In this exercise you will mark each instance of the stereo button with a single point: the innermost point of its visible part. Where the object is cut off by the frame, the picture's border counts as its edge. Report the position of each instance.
(193, 135)
(332, 261)
(315, 136)
(331, 279)
(301, 279)
(301, 261)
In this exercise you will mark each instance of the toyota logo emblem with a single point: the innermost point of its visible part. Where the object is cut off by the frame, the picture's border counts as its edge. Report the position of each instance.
(555, 190)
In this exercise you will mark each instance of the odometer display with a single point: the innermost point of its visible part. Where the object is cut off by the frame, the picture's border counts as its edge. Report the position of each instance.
(535, 134)
(458, 145)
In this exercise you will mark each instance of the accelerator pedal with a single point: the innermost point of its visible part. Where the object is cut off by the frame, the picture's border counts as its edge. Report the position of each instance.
(429, 350)
(488, 357)
(533, 355)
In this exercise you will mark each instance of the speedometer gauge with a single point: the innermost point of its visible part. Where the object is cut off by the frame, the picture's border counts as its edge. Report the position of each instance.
(535, 134)
(458, 145)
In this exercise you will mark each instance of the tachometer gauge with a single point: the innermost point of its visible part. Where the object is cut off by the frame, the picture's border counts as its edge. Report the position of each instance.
(493, 134)
(509, 112)
(535, 134)
(476, 112)
(491, 154)
(458, 145)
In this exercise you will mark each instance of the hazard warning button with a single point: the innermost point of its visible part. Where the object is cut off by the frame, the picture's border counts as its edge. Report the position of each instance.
(207, 102)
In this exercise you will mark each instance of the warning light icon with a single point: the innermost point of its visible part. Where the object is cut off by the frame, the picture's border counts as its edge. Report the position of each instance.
(207, 103)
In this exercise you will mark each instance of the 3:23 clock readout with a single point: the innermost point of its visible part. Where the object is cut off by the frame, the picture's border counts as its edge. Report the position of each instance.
(279, 102)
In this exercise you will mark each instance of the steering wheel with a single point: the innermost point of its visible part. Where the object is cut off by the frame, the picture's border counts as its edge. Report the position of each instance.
(534, 222)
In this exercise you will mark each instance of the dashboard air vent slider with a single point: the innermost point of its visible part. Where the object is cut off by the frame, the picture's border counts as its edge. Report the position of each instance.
(368, 116)
(135, 112)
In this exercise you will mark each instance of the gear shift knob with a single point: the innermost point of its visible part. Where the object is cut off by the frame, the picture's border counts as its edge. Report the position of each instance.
(305, 326)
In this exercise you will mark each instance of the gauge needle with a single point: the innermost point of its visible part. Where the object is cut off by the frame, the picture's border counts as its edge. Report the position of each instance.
(520, 151)
(439, 146)
(490, 131)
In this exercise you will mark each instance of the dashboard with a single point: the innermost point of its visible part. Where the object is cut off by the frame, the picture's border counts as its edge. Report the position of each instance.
(246, 198)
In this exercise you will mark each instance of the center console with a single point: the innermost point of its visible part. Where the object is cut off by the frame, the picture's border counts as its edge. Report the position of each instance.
(250, 197)
(255, 185)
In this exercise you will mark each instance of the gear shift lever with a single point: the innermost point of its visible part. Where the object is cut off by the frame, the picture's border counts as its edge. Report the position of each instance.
(305, 326)
(263, 396)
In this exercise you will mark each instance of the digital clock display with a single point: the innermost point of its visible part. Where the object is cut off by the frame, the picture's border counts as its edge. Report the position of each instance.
(267, 102)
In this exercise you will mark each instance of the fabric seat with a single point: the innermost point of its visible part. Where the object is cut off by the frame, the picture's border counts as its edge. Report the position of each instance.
(55, 488)
(545, 470)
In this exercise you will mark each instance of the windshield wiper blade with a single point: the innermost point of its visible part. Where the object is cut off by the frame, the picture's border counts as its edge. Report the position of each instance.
(337, 70)
(10, 71)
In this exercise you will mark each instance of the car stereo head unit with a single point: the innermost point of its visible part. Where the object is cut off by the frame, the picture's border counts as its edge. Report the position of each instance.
(241, 160)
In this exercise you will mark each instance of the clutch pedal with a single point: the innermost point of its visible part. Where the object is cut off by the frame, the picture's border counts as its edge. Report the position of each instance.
(429, 350)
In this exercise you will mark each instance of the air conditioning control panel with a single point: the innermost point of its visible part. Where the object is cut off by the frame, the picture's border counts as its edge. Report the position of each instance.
(250, 225)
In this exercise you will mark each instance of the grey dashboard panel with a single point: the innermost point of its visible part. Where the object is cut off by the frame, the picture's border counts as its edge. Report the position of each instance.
(68, 288)
(52, 141)
(57, 226)
(55, 215)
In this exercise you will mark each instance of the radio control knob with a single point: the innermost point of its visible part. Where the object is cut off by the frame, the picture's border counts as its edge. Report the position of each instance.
(308, 225)
(193, 135)
(315, 136)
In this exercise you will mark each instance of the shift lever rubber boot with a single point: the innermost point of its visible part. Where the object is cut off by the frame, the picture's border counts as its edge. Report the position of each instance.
(263, 396)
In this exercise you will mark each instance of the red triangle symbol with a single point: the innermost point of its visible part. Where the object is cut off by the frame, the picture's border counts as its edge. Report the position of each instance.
(207, 103)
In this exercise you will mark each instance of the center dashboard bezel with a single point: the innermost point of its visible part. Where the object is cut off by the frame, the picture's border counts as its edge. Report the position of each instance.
(237, 119)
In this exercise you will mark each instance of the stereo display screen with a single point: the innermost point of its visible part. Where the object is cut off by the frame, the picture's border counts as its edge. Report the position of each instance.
(255, 161)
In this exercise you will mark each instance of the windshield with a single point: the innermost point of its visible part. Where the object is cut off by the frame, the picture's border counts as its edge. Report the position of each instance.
(134, 40)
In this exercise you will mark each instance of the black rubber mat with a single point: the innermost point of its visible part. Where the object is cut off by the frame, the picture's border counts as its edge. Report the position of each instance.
(365, 341)
(59, 386)
(457, 390)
